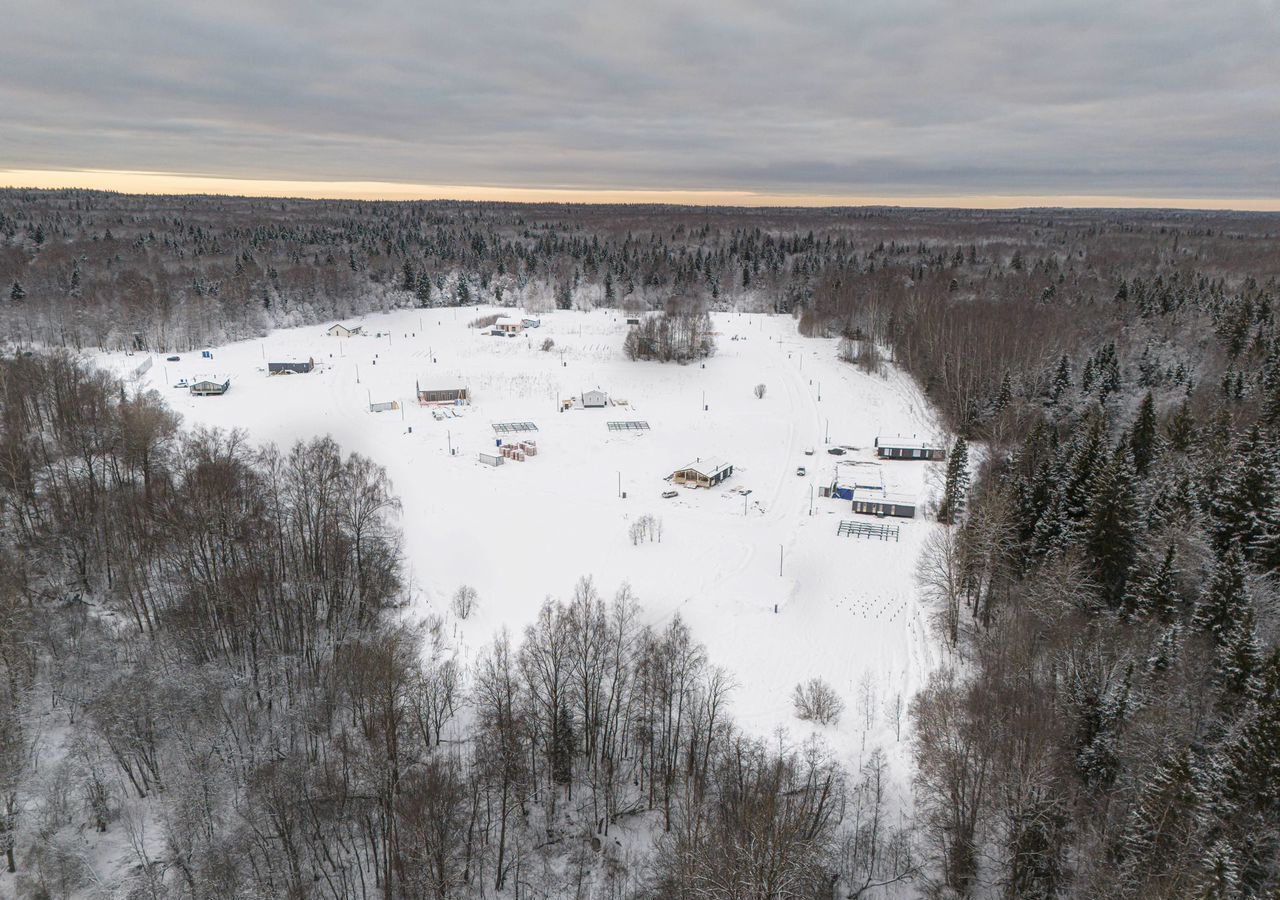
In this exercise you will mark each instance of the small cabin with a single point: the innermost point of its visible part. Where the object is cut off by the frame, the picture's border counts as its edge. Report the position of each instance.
(340, 330)
(210, 385)
(291, 368)
(879, 503)
(594, 399)
(908, 448)
(703, 472)
(442, 395)
(507, 326)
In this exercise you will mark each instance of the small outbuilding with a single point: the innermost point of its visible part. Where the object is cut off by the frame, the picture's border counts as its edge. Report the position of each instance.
(291, 368)
(531, 322)
(507, 326)
(703, 472)
(854, 475)
(594, 399)
(442, 395)
(210, 385)
(899, 447)
(340, 330)
(880, 503)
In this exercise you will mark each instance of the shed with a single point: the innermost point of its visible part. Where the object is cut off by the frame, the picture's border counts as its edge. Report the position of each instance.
(291, 368)
(880, 503)
(210, 385)
(703, 472)
(594, 399)
(899, 447)
(531, 322)
(340, 330)
(442, 394)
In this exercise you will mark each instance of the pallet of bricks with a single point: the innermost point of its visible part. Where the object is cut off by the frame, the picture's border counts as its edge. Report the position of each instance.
(518, 452)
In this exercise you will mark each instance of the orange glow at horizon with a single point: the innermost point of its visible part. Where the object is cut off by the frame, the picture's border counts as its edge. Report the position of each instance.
(176, 183)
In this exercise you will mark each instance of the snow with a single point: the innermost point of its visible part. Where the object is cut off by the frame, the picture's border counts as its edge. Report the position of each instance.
(754, 565)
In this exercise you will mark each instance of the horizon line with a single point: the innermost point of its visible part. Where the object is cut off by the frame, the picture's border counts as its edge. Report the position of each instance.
(190, 184)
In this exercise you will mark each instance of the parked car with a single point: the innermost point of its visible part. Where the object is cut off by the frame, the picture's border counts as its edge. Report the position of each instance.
(799, 470)
(669, 494)
(183, 384)
(808, 451)
(836, 451)
(173, 359)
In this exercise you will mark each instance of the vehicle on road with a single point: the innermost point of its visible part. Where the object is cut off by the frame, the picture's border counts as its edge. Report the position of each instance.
(836, 451)
(173, 359)
(669, 494)
(799, 470)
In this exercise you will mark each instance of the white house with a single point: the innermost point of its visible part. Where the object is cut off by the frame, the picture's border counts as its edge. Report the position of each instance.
(340, 330)
(594, 399)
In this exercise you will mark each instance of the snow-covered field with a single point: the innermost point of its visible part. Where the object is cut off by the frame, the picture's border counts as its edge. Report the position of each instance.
(841, 608)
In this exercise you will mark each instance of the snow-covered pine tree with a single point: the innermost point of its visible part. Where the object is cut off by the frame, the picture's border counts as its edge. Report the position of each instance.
(1144, 438)
(1220, 609)
(1061, 382)
(956, 489)
(1111, 532)
(1247, 495)
(1157, 595)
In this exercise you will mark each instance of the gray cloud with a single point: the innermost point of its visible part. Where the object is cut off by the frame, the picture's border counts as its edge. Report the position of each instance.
(820, 96)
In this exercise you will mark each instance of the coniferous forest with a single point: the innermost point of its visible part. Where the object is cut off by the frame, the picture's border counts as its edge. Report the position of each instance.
(210, 629)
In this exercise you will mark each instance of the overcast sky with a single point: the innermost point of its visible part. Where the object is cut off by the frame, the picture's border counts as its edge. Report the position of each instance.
(852, 98)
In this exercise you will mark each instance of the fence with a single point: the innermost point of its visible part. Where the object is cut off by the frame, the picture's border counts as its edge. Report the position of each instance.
(630, 425)
(867, 530)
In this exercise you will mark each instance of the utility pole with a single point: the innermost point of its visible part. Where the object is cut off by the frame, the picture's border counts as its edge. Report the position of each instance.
(357, 373)
(779, 560)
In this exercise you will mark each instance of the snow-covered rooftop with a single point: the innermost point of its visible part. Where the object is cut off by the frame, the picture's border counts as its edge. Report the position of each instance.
(880, 495)
(707, 467)
(911, 443)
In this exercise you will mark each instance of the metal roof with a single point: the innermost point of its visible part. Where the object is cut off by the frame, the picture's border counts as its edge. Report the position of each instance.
(709, 467)
(911, 443)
